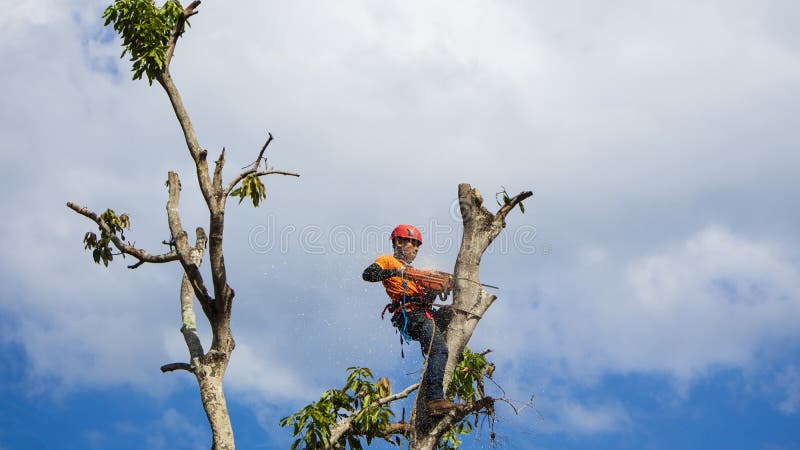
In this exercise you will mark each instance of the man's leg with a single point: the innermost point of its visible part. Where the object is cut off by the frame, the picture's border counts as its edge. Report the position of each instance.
(425, 332)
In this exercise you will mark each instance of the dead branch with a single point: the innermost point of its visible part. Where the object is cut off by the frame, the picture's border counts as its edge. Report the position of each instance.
(217, 182)
(257, 162)
(176, 366)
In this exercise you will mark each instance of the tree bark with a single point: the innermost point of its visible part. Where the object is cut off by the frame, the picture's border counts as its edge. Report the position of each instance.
(209, 377)
(470, 302)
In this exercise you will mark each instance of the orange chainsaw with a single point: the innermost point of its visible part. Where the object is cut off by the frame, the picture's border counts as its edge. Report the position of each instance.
(434, 282)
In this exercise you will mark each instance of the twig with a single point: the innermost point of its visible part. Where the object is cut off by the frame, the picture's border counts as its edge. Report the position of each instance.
(257, 162)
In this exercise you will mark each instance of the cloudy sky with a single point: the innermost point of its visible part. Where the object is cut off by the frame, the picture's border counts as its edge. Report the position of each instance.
(650, 294)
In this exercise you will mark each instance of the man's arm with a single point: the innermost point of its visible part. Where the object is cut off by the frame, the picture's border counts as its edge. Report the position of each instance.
(375, 273)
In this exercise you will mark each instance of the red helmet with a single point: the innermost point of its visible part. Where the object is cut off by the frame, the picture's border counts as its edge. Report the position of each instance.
(408, 232)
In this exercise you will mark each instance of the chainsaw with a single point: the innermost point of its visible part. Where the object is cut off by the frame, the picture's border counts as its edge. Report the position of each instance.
(434, 282)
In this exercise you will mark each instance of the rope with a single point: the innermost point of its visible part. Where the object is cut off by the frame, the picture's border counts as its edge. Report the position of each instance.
(404, 331)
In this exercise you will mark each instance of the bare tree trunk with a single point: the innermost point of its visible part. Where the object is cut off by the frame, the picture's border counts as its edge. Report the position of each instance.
(210, 380)
(470, 302)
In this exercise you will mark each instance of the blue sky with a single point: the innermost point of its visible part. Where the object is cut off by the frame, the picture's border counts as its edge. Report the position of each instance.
(649, 294)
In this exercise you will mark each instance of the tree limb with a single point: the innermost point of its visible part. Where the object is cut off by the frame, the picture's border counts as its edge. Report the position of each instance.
(401, 428)
(176, 366)
(517, 199)
(257, 162)
(188, 318)
(177, 31)
(255, 172)
(182, 246)
(141, 255)
(456, 415)
(346, 424)
(217, 182)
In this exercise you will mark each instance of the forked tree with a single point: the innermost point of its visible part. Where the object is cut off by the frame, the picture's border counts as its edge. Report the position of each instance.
(150, 35)
(361, 410)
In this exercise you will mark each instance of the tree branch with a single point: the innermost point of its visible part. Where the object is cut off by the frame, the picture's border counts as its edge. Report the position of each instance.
(182, 245)
(401, 428)
(246, 173)
(456, 415)
(188, 318)
(502, 212)
(217, 182)
(137, 253)
(176, 366)
(257, 162)
(346, 424)
(177, 31)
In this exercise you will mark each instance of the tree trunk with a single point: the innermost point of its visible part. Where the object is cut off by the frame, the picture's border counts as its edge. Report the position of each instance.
(209, 377)
(470, 302)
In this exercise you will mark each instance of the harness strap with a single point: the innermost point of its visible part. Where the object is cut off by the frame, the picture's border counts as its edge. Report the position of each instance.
(404, 336)
(389, 308)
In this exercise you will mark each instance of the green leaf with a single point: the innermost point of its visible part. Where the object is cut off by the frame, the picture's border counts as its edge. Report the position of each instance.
(145, 30)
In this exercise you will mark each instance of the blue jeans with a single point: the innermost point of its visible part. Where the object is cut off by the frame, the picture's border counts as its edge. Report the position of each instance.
(422, 330)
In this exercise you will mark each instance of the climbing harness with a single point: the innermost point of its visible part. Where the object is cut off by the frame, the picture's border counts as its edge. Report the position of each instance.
(392, 308)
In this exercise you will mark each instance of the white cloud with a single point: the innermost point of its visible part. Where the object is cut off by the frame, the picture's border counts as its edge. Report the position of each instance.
(593, 419)
(636, 126)
(258, 370)
(171, 430)
(789, 382)
(716, 299)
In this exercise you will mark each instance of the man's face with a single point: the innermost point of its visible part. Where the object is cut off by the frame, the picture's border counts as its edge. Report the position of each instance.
(405, 249)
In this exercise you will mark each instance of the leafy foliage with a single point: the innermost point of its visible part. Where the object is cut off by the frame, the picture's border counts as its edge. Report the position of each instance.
(145, 30)
(466, 384)
(101, 246)
(358, 398)
(251, 187)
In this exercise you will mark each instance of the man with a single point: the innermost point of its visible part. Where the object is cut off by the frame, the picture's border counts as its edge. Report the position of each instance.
(411, 311)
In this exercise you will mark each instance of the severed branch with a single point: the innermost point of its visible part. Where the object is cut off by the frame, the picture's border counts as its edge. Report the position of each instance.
(517, 199)
(141, 255)
(177, 366)
(345, 425)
